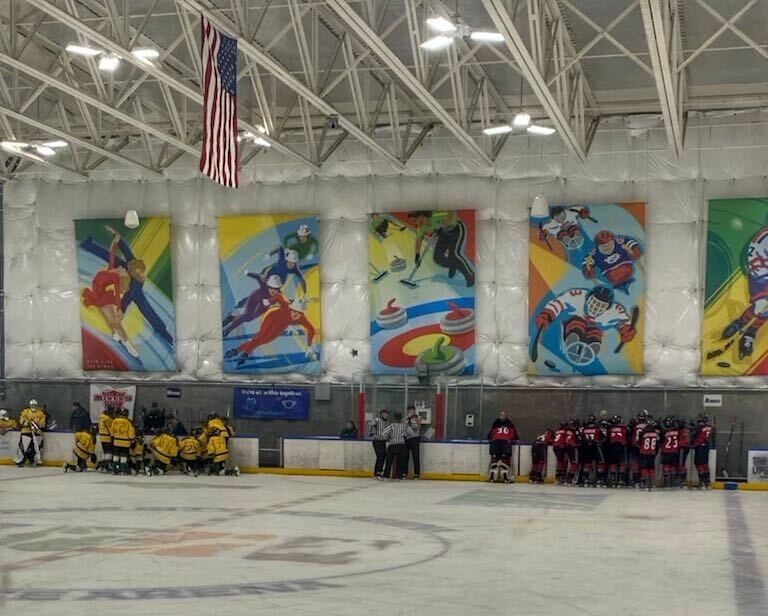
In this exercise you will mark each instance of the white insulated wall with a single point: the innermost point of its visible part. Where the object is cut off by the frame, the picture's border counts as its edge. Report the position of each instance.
(41, 294)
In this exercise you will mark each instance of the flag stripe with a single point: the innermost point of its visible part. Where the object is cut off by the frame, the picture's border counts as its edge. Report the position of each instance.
(220, 157)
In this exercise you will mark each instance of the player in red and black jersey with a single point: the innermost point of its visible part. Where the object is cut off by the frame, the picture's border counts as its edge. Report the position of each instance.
(702, 440)
(539, 455)
(670, 450)
(560, 448)
(501, 435)
(572, 439)
(590, 453)
(650, 440)
(684, 433)
(616, 452)
(636, 427)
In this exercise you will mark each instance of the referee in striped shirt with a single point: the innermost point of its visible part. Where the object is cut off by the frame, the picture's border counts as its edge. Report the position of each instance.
(376, 432)
(394, 434)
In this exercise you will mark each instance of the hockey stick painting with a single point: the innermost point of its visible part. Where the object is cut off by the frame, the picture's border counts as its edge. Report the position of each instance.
(587, 290)
(734, 339)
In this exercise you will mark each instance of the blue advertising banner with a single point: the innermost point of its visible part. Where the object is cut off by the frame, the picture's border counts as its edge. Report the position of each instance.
(271, 403)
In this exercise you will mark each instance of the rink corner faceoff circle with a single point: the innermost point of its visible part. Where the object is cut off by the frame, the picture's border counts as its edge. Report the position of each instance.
(277, 551)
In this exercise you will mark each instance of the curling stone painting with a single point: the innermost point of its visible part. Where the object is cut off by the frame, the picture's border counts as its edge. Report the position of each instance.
(586, 299)
(422, 292)
(391, 316)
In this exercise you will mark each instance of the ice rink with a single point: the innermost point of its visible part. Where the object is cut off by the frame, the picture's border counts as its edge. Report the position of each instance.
(258, 544)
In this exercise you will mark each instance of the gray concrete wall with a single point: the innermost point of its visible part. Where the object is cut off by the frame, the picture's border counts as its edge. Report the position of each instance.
(531, 409)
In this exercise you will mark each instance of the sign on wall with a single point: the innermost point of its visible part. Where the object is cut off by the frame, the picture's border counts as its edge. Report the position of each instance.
(271, 403)
(270, 293)
(115, 396)
(126, 295)
(587, 290)
(734, 341)
(422, 292)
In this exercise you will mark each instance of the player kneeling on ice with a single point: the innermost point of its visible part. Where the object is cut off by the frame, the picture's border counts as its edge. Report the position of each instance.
(84, 450)
(165, 449)
(218, 450)
(32, 423)
(190, 453)
(501, 435)
(123, 434)
(136, 454)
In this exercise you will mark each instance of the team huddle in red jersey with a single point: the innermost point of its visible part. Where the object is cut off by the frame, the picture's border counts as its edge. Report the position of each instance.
(611, 454)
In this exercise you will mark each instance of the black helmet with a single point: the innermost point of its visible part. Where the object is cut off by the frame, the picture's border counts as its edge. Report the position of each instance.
(589, 419)
(562, 425)
(123, 412)
(681, 422)
(616, 419)
(165, 430)
(575, 422)
(702, 418)
(643, 415)
(669, 422)
(212, 416)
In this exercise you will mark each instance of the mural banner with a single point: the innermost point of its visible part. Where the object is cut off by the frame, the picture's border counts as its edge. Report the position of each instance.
(422, 276)
(270, 293)
(586, 292)
(290, 403)
(734, 342)
(126, 295)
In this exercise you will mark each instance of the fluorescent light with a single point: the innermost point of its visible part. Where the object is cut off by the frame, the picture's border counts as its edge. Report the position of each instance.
(490, 37)
(82, 50)
(108, 63)
(441, 24)
(535, 129)
(13, 145)
(55, 144)
(261, 129)
(146, 53)
(44, 150)
(262, 142)
(438, 42)
(522, 120)
(498, 130)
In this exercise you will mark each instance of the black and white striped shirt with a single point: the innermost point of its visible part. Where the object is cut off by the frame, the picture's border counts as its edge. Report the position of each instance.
(394, 434)
(376, 429)
(412, 427)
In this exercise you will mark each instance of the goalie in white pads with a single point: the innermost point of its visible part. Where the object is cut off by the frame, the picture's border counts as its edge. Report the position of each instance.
(32, 424)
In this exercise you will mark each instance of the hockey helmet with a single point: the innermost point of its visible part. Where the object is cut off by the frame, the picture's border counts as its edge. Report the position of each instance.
(562, 425)
(303, 231)
(651, 423)
(212, 416)
(603, 237)
(681, 422)
(291, 256)
(669, 422)
(274, 282)
(165, 430)
(575, 422)
(197, 431)
(123, 412)
(702, 418)
(3, 413)
(643, 415)
(33, 403)
(599, 299)
(557, 212)
(616, 419)
(590, 419)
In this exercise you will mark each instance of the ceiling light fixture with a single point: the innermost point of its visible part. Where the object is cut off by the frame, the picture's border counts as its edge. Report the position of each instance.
(441, 24)
(487, 37)
(437, 42)
(535, 129)
(55, 144)
(522, 120)
(44, 150)
(108, 63)
(498, 130)
(146, 53)
(262, 142)
(82, 50)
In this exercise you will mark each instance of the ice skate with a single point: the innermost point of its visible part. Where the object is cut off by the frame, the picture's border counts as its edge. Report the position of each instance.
(746, 345)
(132, 350)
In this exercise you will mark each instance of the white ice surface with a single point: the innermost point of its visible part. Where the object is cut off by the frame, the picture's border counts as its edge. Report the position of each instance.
(283, 545)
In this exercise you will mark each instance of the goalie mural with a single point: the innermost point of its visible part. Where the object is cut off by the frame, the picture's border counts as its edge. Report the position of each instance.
(270, 287)
(586, 292)
(736, 293)
(126, 295)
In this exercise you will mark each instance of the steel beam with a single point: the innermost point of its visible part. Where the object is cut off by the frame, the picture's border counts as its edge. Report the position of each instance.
(358, 25)
(662, 31)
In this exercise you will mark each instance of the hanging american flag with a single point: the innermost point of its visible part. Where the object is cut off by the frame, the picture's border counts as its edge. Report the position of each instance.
(220, 156)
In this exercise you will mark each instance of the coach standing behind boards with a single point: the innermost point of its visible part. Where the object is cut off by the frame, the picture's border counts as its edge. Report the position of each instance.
(413, 438)
(376, 432)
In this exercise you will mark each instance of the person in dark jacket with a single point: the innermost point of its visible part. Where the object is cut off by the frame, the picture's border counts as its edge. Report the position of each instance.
(154, 421)
(349, 432)
(80, 419)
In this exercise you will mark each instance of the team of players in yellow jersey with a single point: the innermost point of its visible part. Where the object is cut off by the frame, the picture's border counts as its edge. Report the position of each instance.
(125, 451)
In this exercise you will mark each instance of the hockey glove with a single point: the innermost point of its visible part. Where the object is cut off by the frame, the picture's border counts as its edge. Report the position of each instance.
(584, 212)
(544, 319)
(627, 333)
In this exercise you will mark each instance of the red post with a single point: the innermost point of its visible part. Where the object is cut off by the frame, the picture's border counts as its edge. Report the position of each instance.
(439, 415)
(361, 431)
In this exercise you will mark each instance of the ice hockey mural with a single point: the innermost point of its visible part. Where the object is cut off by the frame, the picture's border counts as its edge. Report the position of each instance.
(586, 290)
(736, 290)
(422, 276)
(270, 293)
(126, 295)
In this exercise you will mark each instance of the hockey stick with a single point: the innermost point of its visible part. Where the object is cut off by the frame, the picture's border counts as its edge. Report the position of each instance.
(723, 470)
(731, 339)
(546, 237)
(573, 209)
(632, 323)
(535, 347)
